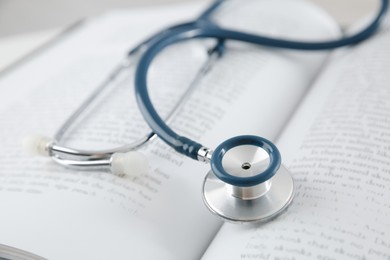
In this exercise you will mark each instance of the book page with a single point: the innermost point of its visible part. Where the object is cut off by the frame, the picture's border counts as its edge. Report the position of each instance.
(58, 213)
(337, 148)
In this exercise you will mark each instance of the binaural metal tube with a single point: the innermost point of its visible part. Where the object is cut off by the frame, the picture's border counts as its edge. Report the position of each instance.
(67, 155)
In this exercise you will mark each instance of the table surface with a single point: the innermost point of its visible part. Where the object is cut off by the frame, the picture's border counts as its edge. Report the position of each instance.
(25, 25)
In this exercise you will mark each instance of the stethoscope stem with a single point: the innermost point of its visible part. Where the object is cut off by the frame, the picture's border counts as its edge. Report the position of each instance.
(249, 193)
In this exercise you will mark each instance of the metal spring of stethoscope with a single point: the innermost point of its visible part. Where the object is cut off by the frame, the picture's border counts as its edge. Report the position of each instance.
(247, 182)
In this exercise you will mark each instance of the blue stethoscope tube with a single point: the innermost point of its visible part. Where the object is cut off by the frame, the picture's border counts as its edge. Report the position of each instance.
(203, 27)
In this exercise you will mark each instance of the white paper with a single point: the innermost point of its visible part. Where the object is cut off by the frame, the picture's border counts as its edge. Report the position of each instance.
(336, 147)
(62, 214)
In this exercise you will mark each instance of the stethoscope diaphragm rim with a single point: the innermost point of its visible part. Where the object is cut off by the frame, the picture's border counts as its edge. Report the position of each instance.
(220, 172)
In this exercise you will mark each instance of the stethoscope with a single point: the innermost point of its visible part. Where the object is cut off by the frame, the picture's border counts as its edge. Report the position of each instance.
(247, 182)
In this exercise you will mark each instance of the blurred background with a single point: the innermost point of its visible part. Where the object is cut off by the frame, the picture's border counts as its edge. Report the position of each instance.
(27, 24)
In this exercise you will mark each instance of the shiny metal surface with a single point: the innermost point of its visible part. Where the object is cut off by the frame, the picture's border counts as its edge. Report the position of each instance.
(220, 200)
(84, 165)
(249, 193)
(204, 154)
(245, 160)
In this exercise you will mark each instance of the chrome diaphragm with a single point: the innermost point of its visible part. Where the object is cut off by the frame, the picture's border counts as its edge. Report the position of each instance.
(259, 201)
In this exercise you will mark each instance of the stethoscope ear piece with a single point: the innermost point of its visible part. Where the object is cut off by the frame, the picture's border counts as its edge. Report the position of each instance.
(37, 145)
(247, 182)
(130, 164)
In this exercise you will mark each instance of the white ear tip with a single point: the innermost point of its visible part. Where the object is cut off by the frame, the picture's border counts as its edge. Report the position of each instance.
(37, 145)
(129, 164)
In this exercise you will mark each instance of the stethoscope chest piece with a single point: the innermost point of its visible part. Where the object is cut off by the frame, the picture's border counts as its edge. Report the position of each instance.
(247, 182)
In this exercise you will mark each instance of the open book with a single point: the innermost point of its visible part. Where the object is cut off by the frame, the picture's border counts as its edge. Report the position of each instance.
(327, 111)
